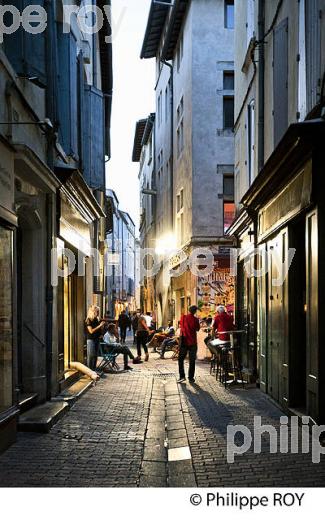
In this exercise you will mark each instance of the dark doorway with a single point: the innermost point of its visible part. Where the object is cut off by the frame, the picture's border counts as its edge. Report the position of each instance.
(297, 320)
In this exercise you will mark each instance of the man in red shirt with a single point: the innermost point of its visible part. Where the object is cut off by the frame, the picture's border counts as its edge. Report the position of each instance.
(223, 323)
(189, 325)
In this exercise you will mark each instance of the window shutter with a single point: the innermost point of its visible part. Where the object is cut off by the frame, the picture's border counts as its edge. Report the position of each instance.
(280, 80)
(93, 138)
(68, 92)
(313, 52)
(25, 51)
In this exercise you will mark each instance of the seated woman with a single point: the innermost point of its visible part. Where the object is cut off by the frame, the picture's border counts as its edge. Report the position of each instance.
(113, 345)
(159, 337)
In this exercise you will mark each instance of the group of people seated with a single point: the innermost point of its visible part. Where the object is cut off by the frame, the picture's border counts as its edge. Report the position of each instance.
(112, 334)
(166, 339)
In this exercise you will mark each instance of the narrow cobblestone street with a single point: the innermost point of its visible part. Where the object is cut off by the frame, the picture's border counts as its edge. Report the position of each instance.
(120, 433)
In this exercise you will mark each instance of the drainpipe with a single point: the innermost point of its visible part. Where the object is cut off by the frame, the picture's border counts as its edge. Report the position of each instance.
(261, 83)
(51, 107)
(49, 296)
(261, 100)
(171, 141)
(171, 169)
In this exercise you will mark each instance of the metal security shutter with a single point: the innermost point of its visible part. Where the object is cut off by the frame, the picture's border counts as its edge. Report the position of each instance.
(313, 51)
(26, 51)
(93, 138)
(280, 80)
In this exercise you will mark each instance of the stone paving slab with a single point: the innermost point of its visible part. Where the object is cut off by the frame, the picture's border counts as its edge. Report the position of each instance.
(118, 435)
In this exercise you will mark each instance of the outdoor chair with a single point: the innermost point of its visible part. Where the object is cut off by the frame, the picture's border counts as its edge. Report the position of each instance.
(108, 359)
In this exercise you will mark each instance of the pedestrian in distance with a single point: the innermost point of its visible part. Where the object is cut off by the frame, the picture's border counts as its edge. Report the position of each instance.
(124, 323)
(142, 337)
(112, 345)
(189, 326)
(94, 330)
(135, 319)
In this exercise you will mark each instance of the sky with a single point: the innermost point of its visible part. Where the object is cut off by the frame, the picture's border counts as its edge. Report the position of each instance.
(133, 99)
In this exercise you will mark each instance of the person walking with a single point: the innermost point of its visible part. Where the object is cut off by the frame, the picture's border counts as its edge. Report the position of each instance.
(94, 328)
(142, 337)
(135, 319)
(189, 326)
(124, 323)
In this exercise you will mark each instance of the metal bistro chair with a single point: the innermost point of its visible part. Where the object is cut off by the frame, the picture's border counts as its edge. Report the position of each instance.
(230, 362)
(108, 359)
(214, 362)
(215, 346)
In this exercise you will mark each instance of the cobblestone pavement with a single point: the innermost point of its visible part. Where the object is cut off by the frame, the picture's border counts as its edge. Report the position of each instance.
(127, 430)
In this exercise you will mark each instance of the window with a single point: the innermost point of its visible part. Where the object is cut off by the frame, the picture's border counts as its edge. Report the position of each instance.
(166, 102)
(251, 141)
(314, 31)
(280, 80)
(6, 335)
(250, 20)
(228, 112)
(229, 213)
(228, 187)
(180, 51)
(180, 229)
(229, 14)
(180, 110)
(180, 201)
(180, 138)
(180, 127)
(229, 208)
(180, 217)
(228, 80)
(160, 166)
(160, 109)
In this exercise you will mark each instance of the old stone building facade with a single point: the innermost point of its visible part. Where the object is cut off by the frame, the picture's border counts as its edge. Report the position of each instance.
(192, 43)
(279, 192)
(55, 102)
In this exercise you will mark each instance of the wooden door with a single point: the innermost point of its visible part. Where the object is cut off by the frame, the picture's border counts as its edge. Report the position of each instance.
(262, 306)
(277, 355)
(312, 313)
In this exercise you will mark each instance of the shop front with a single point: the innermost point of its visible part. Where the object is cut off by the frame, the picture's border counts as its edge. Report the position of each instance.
(215, 286)
(286, 204)
(79, 267)
(8, 222)
(287, 294)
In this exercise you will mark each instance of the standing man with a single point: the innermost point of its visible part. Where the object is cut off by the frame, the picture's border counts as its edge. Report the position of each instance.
(189, 325)
(123, 323)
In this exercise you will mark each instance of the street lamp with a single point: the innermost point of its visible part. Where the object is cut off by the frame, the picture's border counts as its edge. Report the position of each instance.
(167, 244)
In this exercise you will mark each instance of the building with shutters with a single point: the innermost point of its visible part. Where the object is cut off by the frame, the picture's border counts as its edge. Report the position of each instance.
(144, 154)
(55, 103)
(279, 194)
(120, 274)
(193, 150)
